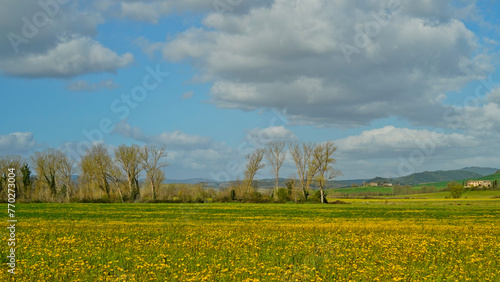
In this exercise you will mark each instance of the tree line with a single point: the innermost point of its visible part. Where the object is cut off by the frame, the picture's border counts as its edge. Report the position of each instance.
(114, 175)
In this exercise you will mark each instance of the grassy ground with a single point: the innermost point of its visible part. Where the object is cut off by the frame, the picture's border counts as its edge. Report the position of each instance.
(361, 189)
(465, 195)
(437, 185)
(366, 240)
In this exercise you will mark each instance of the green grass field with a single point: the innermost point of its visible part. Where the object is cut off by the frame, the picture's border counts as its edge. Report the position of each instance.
(466, 195)
(361, 189)
(366, 240)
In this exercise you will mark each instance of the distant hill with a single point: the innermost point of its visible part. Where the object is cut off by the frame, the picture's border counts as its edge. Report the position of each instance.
(429, 177)
(270, 182)
(483, 171)
(188, 181)
(495, 176)
(443, 184)
(412, 179)
(436, 176)
(347, 183)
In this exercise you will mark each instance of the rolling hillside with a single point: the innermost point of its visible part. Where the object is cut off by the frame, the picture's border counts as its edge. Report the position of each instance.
(443, 184)
(483, 171)
(436, 185)
(437, 176)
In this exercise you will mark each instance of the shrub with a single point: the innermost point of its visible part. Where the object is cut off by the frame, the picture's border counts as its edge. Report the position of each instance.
(282, 195)
(254, 197)
(456, 189)
(316, 197)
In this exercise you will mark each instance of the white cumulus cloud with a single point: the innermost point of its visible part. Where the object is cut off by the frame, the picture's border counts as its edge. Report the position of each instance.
(71, 57)
(174, 140)
(390, 142)
(405, 57)
(16, 143)
(54, 39)
(263, 136)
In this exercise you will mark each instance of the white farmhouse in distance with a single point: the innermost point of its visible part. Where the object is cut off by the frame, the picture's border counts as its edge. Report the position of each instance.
(478, 183)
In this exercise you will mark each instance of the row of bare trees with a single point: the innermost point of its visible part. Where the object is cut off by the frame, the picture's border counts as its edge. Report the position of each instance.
(106, 173)
(106, 170)
(314, 162)
(101, 169)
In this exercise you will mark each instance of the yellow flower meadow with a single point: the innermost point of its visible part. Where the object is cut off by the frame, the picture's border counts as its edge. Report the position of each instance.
(364, 241)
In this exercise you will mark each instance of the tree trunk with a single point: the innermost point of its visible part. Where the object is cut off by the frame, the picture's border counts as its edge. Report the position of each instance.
(67, 191)
(134, 188)
(322, 193)
(131, 187)
(121, 195)
(106, 188)
(135, 191)
(53, 188)
(153, 190)
(276, 187)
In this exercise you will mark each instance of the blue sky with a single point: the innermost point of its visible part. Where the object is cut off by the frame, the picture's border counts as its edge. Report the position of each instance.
(400, 86)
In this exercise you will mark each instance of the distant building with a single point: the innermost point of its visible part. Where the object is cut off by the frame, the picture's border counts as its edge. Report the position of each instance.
(373, 184)
(478, 183)
(387, 185)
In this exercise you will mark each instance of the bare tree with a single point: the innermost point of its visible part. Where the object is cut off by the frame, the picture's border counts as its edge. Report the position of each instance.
(7, 162)
(129, 160)
(302, 156)
(47, 165)
(322, 162)
(158, 177)
(275, 154)
(152, 160)
(98, 168)
(254, 163)
(67, 168)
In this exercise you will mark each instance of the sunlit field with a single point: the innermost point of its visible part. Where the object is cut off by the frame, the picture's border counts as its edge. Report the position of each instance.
(367, 240)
